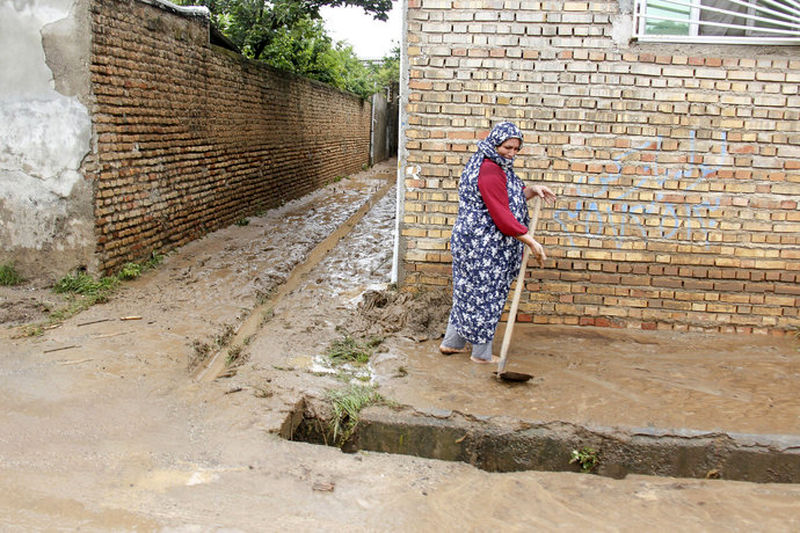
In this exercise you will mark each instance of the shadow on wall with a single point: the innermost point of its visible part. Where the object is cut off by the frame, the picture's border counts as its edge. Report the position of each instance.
(385, 115)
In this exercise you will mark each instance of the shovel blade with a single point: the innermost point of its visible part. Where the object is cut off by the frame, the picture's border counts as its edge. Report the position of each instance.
(517, 377)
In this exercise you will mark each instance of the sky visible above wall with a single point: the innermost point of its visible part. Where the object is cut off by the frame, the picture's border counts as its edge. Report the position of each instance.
(370, 38)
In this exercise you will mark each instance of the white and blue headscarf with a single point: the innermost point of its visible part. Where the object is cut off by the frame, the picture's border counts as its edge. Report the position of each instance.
(500, 134)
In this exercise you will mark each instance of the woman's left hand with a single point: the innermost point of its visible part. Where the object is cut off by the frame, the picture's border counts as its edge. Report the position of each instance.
(543, 191)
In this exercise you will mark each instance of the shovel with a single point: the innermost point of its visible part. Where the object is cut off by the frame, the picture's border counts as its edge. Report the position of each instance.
(502, 373)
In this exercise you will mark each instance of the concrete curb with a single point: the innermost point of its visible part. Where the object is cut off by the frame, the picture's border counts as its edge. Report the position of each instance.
(504, 445)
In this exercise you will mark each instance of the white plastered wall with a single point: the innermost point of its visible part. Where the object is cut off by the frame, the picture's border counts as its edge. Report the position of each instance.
(46, 208)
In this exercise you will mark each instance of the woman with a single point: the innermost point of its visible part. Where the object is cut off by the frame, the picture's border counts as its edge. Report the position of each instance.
(487, 242)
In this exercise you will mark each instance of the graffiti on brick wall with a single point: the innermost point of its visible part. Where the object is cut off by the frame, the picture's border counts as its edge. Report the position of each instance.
(604, 209)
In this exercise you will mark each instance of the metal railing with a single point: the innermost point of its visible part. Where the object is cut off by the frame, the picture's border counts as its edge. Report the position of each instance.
(718, 21)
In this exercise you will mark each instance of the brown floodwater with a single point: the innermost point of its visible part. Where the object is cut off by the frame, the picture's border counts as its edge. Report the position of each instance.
(612, 377)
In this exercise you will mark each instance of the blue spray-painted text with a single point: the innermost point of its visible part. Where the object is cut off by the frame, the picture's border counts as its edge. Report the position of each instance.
(604, 208)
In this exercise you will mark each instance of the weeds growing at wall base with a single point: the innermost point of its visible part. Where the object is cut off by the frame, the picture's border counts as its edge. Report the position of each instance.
(82, 284)
(9, 276)
(83, 291)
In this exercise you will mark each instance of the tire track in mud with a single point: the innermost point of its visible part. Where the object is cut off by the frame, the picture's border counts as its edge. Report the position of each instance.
(216, 364)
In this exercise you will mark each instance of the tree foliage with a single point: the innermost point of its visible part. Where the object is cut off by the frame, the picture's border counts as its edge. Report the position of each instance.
(387, 70)
(289, 35)
(253, 24)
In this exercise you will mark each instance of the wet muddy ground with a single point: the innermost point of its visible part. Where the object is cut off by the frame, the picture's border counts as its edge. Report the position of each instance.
(103, 426)
(612, 377)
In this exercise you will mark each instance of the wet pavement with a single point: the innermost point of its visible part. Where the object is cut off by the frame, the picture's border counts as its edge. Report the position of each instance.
(110, 431)
(623, 378)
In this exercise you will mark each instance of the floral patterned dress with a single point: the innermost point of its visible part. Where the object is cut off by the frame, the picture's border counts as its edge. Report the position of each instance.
(485, 262)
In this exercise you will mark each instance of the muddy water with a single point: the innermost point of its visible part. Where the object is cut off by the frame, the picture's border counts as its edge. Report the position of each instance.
(305, 321)
(622, 378)
(110, 433)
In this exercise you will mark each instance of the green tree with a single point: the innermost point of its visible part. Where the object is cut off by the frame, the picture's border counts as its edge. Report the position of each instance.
(290, 35)
(307, 50)
(386, 71)
(299, 48)
(252, 25)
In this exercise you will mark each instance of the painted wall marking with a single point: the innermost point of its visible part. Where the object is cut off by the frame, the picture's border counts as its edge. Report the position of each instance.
(627, 217)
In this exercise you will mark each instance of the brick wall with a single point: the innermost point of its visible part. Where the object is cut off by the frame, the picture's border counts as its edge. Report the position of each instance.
(677, 166)
(191, 138)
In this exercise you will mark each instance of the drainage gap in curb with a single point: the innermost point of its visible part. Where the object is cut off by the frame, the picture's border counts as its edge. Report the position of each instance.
(499, 445)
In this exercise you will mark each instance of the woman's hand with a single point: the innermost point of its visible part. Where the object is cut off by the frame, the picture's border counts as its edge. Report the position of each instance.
(542, 191)
(537, 250)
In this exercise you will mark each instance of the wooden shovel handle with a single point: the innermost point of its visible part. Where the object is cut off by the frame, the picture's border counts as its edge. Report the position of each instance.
(512, 315)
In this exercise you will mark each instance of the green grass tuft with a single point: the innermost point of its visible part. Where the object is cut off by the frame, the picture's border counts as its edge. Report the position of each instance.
(9, 276)
(347, 404)
(85, 285)
(349, 350)
(587, 458)
(130, 271)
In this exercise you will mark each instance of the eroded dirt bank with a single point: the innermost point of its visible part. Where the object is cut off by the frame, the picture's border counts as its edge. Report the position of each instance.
(111, 433)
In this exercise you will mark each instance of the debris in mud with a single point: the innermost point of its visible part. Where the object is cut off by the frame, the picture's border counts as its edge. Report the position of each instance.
(421, 315)
(334, 421)
(323, 487)
(200, 352)
(263, 392)
(90, 322)
(62, 348)
(18, 308)
(74, 362)
(236, 356)
(350, 350)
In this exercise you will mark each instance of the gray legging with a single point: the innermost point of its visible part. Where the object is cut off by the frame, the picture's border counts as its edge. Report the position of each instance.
(453, 340)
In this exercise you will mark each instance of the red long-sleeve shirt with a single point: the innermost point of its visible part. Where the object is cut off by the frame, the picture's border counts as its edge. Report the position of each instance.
(492, 185)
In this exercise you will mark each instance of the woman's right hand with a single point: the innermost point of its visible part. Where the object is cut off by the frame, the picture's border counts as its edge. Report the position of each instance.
(537, 250)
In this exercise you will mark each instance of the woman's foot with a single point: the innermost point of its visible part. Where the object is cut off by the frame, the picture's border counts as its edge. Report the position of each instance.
(494, 359)
(450, 351)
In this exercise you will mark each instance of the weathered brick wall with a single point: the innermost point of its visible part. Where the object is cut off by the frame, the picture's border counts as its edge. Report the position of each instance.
(191, 138)
(677, 167)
